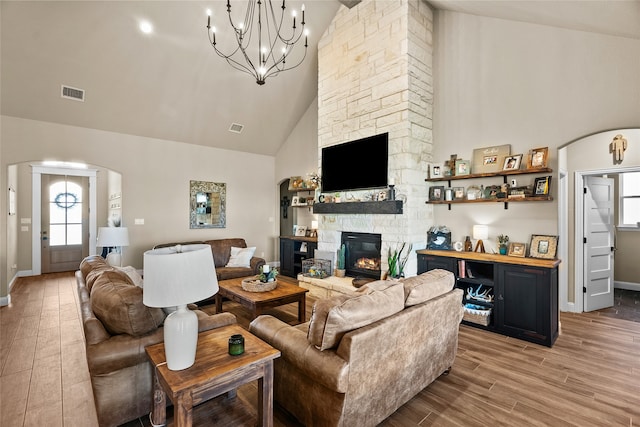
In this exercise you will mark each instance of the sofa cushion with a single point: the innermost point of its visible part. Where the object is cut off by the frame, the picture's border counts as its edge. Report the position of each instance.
(333, 317)
(433, 283)
(117, 303)
(133, 274)
(241, 257)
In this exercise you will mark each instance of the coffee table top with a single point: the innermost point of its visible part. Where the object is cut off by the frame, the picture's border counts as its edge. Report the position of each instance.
(212, 358)
(283, 289)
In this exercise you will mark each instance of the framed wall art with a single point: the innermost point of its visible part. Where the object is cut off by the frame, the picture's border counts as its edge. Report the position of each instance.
(207, 206)
(543, 246)
(517, 249)
(436, 193)
(490, 159)
(512, 163)
(542, 186)
(538, 158)
(463, 167)
(436, 170)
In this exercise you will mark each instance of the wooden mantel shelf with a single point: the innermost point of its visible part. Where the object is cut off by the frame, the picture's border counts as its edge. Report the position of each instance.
(382, 207)
(504, 259)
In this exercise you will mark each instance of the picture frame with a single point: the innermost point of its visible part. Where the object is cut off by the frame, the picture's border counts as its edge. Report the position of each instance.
(299, 230)
(542, 186)
(542, 246)
(512, 163)
(436, 170)
(490, 159)
(436, 193)
(295, 201)
(538, 158)
(463, 167)
(517, 249)
(458, 193)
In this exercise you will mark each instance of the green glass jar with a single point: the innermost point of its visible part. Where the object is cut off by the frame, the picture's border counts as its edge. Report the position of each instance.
(236, 344)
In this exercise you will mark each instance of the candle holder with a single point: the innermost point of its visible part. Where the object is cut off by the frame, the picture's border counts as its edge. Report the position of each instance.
(236, 345)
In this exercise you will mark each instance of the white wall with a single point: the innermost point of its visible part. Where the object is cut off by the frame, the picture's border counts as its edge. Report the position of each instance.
(505, 82)
(155, 182)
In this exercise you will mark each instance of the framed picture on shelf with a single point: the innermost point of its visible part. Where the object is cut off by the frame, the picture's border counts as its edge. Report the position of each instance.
(299, 230)
(543, 246)
(542, 186)
(463, 167)
(295, 201)
(436, 193)
(490, 159)
(458, 193)
(436, 170)
(538, 158)
(512, 163)
(517, 249)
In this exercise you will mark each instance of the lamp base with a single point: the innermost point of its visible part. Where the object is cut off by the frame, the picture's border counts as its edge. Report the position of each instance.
(479, 246)
(114, 259)
(180, 338)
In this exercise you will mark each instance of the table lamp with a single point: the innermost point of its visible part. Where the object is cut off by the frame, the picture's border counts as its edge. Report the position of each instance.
(314, 228)
(177, 276)
(113, 237)
(480, 232)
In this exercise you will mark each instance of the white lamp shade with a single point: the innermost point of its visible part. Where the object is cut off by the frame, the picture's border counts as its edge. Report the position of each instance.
(480, 232)
(314, 225)
(179, 275)
(113, 236)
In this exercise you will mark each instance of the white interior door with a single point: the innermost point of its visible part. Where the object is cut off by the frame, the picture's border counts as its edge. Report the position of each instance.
(598, 243)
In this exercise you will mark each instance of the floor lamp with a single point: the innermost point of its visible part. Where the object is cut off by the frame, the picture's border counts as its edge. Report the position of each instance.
(109, 237)
(177, 276)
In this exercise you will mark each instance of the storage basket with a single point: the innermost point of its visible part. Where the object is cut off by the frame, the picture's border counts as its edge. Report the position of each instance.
(480, 317)
(253, 284)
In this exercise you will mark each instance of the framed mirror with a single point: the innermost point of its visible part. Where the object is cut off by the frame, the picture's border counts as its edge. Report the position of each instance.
(207, 204)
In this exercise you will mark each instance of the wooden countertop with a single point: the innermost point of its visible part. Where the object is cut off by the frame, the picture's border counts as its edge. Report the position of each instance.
(504, 259)
(301, 238)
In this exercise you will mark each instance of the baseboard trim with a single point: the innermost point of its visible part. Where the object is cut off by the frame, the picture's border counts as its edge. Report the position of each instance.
(4, 301)
(630, 286)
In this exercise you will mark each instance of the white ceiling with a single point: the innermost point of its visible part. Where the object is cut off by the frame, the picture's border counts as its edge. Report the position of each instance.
(171, 85)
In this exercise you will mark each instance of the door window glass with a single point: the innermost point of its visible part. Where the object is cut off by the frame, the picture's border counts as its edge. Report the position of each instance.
(65, 213)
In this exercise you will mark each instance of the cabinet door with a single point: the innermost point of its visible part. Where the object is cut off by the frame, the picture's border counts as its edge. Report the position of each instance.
(431, 262)
(526, 307)
(286, 257)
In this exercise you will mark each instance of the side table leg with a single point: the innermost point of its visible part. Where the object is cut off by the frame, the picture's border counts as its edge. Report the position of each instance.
(159, 410)
(183, 411)
(302, 308)
(265, 396)
(218, 299)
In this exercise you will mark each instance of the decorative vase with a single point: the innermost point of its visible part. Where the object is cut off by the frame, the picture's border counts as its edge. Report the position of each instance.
(339, 272)
(503, 250)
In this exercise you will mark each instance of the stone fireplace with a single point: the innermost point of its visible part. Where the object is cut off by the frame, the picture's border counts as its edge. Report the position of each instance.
(363, 255)
(375, 76)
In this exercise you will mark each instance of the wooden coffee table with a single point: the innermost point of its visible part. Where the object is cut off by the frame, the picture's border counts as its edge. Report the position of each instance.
(257, 302)
(214, 372)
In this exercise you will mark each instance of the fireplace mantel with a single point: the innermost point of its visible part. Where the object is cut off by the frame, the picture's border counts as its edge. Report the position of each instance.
(382, 207)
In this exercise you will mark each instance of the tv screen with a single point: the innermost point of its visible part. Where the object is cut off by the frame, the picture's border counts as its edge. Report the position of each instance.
(356, 165)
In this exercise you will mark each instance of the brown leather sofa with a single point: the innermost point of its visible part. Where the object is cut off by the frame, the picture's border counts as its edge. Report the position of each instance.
(117, 328)
(221, 253)
(362, 356)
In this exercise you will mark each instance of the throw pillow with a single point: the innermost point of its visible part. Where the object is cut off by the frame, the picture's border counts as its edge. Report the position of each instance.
(333, 317)
(241, 257)
(426, 286)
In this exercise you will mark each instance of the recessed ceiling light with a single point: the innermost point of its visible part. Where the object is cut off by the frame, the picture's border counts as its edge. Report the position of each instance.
(146, 27)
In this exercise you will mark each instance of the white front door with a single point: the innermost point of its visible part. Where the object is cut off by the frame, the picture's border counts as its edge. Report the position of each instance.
(598, 243)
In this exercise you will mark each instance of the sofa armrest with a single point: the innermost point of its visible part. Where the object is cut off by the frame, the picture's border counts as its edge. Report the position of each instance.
(256, 264)
(122, 351)
(324, 367)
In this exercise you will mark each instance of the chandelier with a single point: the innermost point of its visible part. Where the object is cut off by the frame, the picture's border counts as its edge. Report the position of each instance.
(262, 49)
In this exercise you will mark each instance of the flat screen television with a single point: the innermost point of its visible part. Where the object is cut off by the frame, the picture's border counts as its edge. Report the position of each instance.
(356, 165)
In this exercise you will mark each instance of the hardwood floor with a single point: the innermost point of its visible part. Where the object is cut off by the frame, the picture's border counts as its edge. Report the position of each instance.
(591, 377)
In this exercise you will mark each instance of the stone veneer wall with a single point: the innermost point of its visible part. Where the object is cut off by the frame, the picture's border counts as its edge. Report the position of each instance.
(375, 76)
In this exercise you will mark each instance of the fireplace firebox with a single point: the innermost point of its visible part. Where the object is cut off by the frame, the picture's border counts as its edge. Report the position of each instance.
(363, 254)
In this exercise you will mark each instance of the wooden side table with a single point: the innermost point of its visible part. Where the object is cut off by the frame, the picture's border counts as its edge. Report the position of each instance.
(214, 372)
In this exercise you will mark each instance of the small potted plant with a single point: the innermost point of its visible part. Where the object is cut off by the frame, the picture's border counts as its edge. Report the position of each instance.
(340, 270)
(503, 240)
(397, 261)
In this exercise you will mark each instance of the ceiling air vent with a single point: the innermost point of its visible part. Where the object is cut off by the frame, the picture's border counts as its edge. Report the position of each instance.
(236, 128)
(72, 93)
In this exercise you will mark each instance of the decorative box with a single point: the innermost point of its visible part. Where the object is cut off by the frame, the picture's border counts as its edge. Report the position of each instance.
(316, 267)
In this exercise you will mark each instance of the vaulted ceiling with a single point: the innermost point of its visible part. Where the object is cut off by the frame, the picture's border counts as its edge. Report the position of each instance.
(171, 85)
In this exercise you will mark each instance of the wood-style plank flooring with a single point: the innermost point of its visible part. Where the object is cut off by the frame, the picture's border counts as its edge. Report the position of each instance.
(591, 377)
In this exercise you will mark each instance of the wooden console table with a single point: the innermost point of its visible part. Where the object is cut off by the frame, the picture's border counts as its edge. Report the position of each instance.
(214, 372)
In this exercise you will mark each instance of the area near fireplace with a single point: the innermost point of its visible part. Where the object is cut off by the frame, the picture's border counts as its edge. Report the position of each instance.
(363, 254)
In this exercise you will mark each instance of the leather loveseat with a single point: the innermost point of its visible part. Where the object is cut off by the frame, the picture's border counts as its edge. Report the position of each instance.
(221, 249)
(362, 356)
(117, 328)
